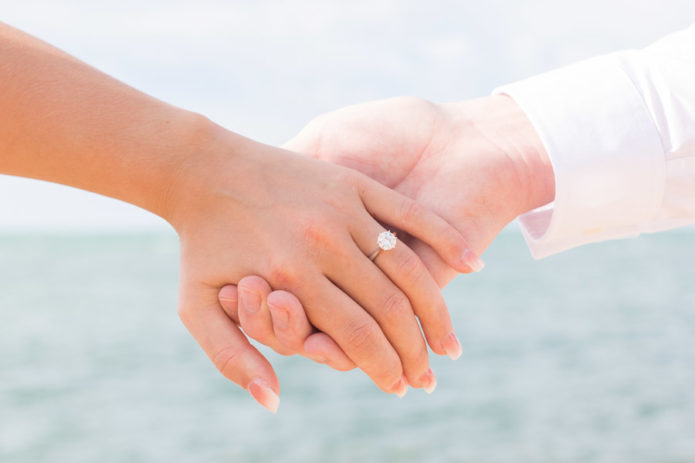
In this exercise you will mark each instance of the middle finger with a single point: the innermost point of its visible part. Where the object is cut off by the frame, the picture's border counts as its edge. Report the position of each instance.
(391, 309)
(405, 269)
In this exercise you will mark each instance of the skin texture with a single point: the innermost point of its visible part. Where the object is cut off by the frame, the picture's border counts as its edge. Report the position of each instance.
(240, 208)
(478, 163)
(307, 228)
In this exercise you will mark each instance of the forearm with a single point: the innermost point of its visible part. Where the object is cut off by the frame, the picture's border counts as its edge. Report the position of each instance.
(620, 130)
(65, 122)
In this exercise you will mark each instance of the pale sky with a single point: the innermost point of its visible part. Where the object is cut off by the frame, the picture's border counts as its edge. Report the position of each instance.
(265, 68)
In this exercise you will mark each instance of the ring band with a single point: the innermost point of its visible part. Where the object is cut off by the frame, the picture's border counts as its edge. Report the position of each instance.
(385, 242)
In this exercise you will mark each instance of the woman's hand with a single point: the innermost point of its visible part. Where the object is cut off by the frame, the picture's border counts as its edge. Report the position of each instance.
(240, 208)
(307, 226)
(478, 163)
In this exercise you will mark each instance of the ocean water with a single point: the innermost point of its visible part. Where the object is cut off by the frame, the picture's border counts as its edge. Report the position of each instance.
(588, 356)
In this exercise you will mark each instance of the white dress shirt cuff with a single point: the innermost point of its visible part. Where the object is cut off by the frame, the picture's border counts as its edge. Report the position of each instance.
(605, 150)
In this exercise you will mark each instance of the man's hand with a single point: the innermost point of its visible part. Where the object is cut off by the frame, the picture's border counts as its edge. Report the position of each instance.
(479, 164)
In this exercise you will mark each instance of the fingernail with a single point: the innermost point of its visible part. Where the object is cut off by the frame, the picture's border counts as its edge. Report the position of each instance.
(400, 387)
(429, 381)
(264, 395)
(452, 346)
(313, 353)
(229, 294)
(250, 301)
(280, 317)
(472, 260)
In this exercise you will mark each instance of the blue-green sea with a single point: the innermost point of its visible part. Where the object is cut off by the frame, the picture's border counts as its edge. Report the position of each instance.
(588, 356)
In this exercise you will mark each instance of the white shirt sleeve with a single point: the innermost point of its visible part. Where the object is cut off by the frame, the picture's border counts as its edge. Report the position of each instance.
(620, 133)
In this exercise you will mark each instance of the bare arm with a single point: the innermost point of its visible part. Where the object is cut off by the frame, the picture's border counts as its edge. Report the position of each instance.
(240, 208)
(65, 122)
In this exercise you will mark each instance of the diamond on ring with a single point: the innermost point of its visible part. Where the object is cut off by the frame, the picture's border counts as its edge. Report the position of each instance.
(386, 240)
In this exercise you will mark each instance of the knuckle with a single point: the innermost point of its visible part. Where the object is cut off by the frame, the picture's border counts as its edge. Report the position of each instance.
(281, 276)
(411, 211)
(317, 234)
(227, 359)
(411, 267)
(362, 336)
(395, 307)
(337, 200)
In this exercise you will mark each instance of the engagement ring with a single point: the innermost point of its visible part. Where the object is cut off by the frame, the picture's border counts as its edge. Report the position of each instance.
(386, 241)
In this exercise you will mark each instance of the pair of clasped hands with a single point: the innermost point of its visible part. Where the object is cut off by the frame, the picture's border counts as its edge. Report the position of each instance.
(292, 231)
(446, 177)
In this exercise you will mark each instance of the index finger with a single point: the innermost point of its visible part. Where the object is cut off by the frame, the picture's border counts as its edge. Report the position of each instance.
(405, 213)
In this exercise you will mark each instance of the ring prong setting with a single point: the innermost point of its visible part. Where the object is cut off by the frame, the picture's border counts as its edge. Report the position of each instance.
(386, 240)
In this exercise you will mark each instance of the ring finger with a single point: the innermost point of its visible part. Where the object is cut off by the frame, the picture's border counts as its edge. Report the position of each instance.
(405, 269)
(391, 309)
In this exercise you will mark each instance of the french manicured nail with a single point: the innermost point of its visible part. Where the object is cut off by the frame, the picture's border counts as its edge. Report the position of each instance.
(264, 395)
(400, 388)
(250, 300)
(429, 381)
(472, 260)
(280, 317)
(452, 346)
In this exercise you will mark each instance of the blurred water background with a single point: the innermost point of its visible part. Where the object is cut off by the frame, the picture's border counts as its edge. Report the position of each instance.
(588, 356)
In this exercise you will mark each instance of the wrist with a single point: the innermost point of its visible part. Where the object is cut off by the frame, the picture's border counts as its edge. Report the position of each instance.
(156, 165)
(192, 142)
(211, 162)
(500, 119)
(189, 169)
(528, 154)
